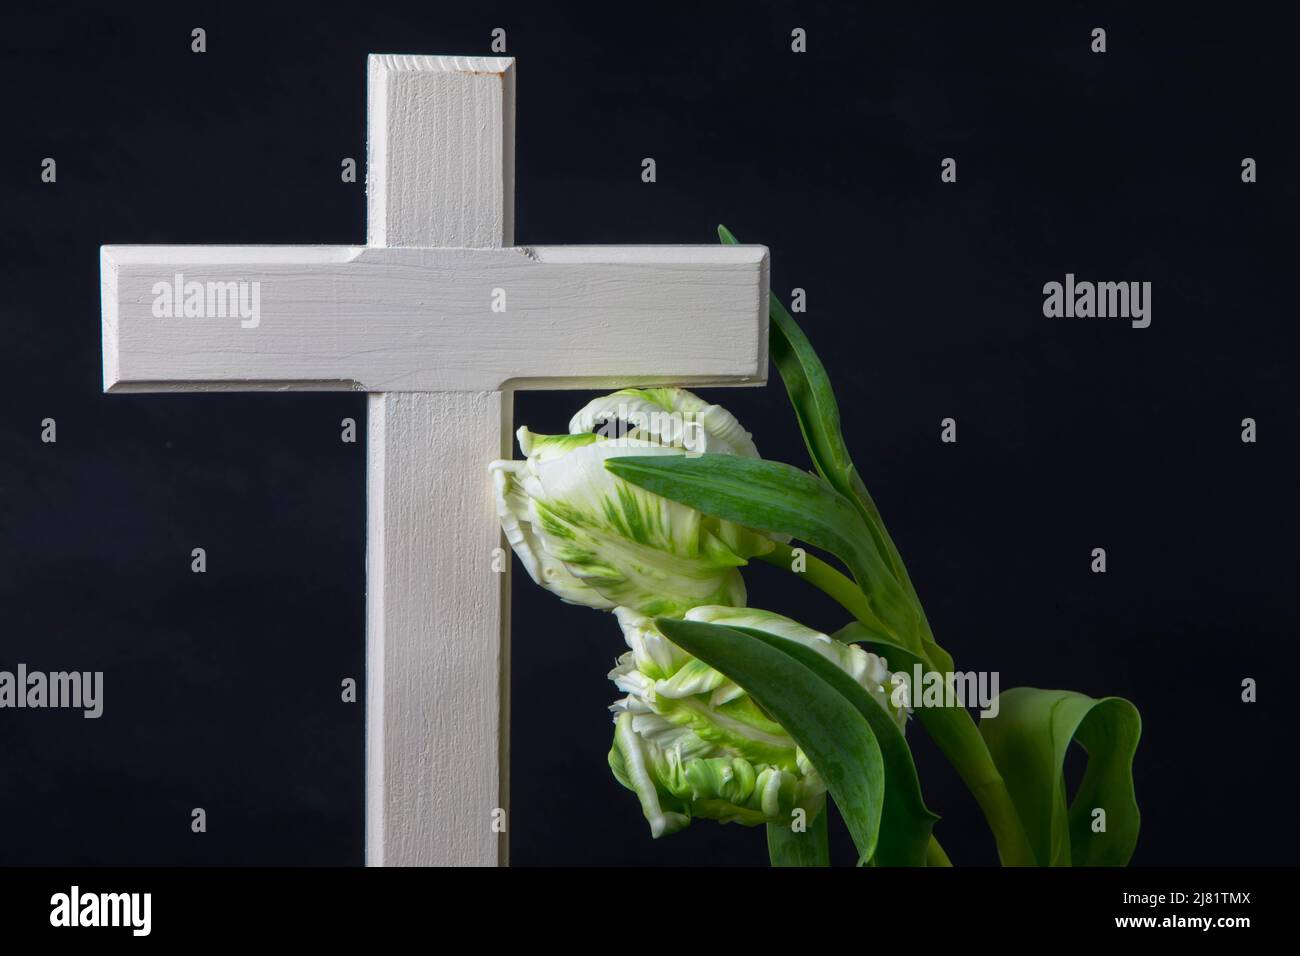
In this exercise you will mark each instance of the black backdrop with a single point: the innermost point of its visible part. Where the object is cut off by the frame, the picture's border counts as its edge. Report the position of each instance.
(924, 298)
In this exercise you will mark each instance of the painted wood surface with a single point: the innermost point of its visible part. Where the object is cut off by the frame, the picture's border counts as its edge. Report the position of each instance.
(441, 130)
(437, 662)
(441, 151)
(384, 319)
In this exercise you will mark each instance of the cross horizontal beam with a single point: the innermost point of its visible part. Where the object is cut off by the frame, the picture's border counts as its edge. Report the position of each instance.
(180, 318)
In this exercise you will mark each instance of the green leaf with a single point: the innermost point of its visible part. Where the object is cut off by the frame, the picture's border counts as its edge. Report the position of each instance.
(1028, 739)
(831, 731)
(785, 847)
(780, 499)
(818, 414)
(957, 735)
(906, 823)
(951, 727)
(810, 392)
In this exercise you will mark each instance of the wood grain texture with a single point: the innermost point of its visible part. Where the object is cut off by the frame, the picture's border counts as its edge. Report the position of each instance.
(423, 320)
(441, 152)
(437, 631)
(441, 148)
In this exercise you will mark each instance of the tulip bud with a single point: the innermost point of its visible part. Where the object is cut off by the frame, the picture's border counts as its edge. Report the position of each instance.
(691, 743)
(595, 539)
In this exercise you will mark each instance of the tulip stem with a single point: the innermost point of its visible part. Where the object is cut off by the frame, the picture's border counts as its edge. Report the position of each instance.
(952, 728)
(826, 579)
(935, 856)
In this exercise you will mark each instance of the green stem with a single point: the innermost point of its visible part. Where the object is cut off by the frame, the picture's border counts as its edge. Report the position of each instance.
(825, 578)
(935, 856)
(952, 728)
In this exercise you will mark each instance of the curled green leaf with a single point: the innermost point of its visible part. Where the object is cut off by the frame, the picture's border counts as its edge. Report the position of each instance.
(1029, 738)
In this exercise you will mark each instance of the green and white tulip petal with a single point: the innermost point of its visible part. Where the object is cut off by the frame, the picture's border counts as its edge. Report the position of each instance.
(594, 539)
(691, 743)
(630, 760)
(653, 655)
(515, 511)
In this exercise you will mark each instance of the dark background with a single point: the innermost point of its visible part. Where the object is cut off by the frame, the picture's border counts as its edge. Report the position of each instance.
(222, 689)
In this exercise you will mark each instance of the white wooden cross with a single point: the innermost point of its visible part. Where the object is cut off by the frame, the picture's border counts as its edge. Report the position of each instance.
(413, 318)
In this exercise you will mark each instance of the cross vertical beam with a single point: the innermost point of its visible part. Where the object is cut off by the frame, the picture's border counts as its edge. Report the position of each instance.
(440, 172)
